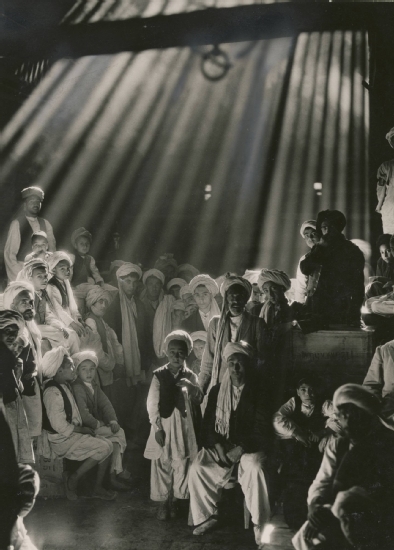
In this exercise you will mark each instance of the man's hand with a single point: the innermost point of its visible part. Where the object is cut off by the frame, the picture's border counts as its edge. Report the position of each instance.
(235, 454)
(222, 454)
(160, 437)
(310, 532)
(114, 427)
(78, 328)
(84, 430)
(313, 437)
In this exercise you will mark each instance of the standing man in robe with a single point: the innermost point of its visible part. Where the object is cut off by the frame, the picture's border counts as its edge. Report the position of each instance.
(18, 243)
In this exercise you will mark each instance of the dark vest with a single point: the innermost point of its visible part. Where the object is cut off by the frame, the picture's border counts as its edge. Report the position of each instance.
(67, 407)
(63, 292)
(315, 422)
(26, 232)
(171, 396)
(81, 269)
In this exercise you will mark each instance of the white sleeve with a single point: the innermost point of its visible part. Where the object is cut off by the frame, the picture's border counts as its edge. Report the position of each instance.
(54, 405)
(284, 426)
(51, 237)
(11, 249)
(95, 272)
(153, 402)
(321, 488)
(300, 291)
(51, 319)
(56, 300)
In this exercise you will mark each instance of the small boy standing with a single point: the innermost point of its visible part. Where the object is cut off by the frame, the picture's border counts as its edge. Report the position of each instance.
(173, 400)
(98, 413)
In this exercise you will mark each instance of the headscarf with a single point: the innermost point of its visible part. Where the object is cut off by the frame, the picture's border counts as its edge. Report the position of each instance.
(52, 360)
(127, 268)
(389, 137)
(204, 280)
(95, 294)
(128, 310)
(308, 224)
(162, 324)
(188, 268)
(80, 232)
(179, 335)
(165, 260)
(251, 276)
(231, 280)
(176, 282)
(9, 317)
(359, 396)
(178, 304)
(275, 276)
(26, 273)
(333, 217)
(199, 335)
(56, 258)
(153, 273)
(237, 347)
(13, 289)
(86, 355)
(32, 192)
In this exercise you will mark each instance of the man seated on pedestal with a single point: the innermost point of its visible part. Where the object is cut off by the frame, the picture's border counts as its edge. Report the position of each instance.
(236, 431)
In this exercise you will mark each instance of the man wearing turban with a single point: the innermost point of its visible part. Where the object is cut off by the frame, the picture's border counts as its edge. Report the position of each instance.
(18, 244)
(236, 430)
(204, 290)
(310, 235)
(385, 190)
(351, 502)
(233, 324)
(274, 283)
(335, 267)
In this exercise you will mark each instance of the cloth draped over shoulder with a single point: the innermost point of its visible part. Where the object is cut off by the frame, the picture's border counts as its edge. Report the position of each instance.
(52, 361)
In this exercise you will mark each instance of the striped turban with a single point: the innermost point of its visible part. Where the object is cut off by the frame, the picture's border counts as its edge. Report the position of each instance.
(231, 280)
(275, 276)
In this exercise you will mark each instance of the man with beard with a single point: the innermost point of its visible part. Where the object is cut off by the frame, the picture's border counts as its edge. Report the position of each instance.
(18, 244)
(350, 502)
(336, 292)
(19, 296)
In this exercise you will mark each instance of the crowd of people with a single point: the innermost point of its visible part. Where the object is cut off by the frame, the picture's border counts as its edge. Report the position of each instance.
(189, 370)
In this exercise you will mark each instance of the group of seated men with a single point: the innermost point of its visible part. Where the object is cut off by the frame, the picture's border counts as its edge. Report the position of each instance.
(187, 367)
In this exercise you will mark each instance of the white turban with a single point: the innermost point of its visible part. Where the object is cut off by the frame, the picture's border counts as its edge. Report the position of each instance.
(86, 355)
(305, 225)
(32, 192)
(176, 282)
(188, 269)
(359, 396)
(199, 335)
(237, 347)
(389, 136)
(153, 273)
(251, 276)
(275, 276)
(95, 294)
(57, 257)
(26, 273)
(52, 361)
(204, 280)
(178, 335)
(127, 268)
(231, 280)
(13, 289)
(80, 232)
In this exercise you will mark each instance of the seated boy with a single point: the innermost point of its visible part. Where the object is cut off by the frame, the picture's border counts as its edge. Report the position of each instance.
(303, 430)
(67, 436)
(98, 413)
(172, 442)
(40, 247)
(51, 328)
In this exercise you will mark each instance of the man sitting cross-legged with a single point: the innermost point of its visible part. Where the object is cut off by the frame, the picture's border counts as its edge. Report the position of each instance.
(236, 430)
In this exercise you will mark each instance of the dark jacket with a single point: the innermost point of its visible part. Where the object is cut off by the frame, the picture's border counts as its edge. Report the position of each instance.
(8, 384)
(384, 269)
(113, 317)
(92, 407)
(339, 292)
(250, 424)
(193, 323)
(29, 367)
